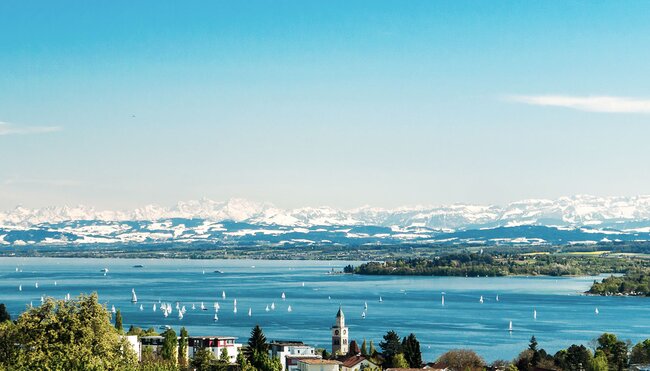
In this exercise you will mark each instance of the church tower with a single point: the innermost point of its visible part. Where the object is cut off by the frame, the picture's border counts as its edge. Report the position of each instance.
(340, 334)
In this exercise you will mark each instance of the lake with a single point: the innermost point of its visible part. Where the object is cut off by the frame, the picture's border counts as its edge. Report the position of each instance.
(410, 304)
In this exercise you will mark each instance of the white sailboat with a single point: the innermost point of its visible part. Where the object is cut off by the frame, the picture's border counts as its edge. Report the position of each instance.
(597, 311)
(165, 313)
(141, 307)
(234, 302)
(193, 306)
(273, 306)
(289, 309)
(283, 296)
(134, 298)
(203, 306)
(510, 326)
(303, 284)
(154, 307)
(365, 305)
(443, 300)
(363, 315)
(180, 314)
(20, 287)
(497, 297)
(267, 308)
(481, 299)
(113, 309)
(535, 314)
(223, 294)
(380, 299)
(36, 285)
(250, 312)
(68, 296)
(329, 298)
(54, 283)
(216, 306)
(216, 318)
(42, 299)
(234, 310)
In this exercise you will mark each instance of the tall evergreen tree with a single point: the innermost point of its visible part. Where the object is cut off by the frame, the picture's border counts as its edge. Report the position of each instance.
(257, 341)
(371, 349)
(535, 358)
(411, 350)
(170, 342)
(118, 321)
(4, 315)
(182, 347)
(364, 348)
(223, 356)
(390, 346)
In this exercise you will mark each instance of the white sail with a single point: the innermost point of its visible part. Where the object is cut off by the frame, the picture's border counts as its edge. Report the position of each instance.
(216, 306)
(303, 284)
(216, 318)
(235, 310)
(154, 307)
(365, 305)
(203, 306)
(250, 312)
(193, 306)
(141, 307)
(443, 300)
(510, 326)
(380, 299)
(273, 306)
(180, 314)
(481, 299)
(363, 315)
(597, 311)
(223, 294)
(20, 287)
(534, 313)
(283, 296)
(54, 283)
(165, 313)
(289, 309)
(267, 308)
(36, 285)
(134, 298)
(113, 309)
(234, 303)
(42, 299)
(497, 297)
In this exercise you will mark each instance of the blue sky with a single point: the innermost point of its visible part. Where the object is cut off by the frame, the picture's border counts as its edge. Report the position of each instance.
(342, 103)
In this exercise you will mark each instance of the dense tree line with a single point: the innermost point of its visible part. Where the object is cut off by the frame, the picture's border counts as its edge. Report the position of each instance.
(633, 283)
(493, 264)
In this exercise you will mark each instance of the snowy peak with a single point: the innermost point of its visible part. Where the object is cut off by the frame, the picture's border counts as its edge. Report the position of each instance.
(581, 210)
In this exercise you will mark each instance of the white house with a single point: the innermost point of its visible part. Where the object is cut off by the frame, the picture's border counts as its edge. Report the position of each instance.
(284, 349)
(216, 344)
(314, 364)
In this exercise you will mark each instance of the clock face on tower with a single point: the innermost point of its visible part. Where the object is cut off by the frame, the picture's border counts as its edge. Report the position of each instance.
(336, 332)
(345, 332)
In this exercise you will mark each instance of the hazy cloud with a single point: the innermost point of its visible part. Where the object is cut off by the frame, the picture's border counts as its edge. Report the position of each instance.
(588, 103)
(9, 129)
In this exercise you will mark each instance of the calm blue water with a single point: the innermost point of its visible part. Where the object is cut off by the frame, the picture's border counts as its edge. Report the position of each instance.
(410, 304)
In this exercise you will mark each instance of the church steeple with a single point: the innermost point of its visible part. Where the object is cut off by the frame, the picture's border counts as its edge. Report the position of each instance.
(340, 334)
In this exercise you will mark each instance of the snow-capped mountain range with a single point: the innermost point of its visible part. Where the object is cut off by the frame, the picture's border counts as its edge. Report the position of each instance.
(239, 221)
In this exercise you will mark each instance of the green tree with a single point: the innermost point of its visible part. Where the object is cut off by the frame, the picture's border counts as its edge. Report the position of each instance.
(390, 346)
(364, 348)
(4, 315)
(615, 350)
(257, 342)
(399, 361)
(243, 363)
(371, 349)
(182, 347)
(66, 335)
(203, 359)
(411, 350)
(641, 352)
(532, 345)
(599, 363)
(118, 321)
(223, 356)
(170, 344)
(574, 358)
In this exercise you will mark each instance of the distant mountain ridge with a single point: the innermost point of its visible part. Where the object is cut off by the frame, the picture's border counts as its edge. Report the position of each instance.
(582, 210)
(566, 220)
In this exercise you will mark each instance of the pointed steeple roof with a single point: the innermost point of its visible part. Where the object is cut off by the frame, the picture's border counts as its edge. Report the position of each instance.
(340, 314)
